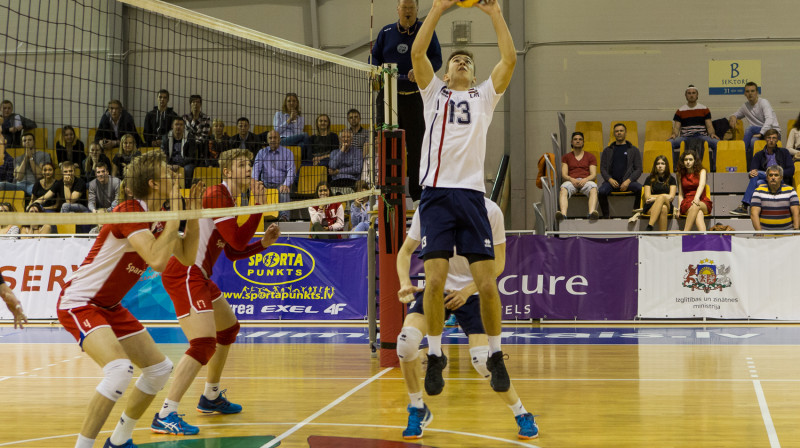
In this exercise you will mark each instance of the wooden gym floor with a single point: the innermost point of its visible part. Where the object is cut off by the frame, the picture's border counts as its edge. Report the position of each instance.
(318, 387)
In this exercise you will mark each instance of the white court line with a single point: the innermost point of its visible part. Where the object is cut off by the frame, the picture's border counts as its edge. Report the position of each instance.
(478, 379)
(762, 403)
(4, 378)
(276, 441)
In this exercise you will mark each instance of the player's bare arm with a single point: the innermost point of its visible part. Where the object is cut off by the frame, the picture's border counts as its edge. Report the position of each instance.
(407, 290)
(501, 74)
(13, 305)
(186, 248)
(156, 251)
(422, 67)
(455, 299)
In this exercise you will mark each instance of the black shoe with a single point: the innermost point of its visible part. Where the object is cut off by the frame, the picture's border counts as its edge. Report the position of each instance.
(559, 215)
(740, 211)
(434, 383)
(649, 228)
(500, 381)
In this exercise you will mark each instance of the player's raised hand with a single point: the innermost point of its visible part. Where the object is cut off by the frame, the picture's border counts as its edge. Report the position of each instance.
(175, 199)
(489, 6)
(13, 304)
(271, 235)
(195, 200)
(406, 293)
(258, 191)
(444, 4)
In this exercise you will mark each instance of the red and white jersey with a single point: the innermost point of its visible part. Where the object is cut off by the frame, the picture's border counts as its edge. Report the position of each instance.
(456, 122)
(112, 267)
(216, 234)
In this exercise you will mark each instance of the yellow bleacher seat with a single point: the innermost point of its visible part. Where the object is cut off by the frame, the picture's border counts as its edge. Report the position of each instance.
(592, 131)
(146, 149)
(211, 175)
(260, 129)
(15, 198)
(632, 135)
(657, 131)
(760, 144)
(706, 158)
(40, 137)
(738, 132)
(308, 129)
(337, 128)
(65, 229)
(59, 138)
(140, 131)
(653, 149)
(789, 126)
(310, 176)
(15, 152)
(731, 157)
(594, 149)
(298, 154)
(90, 139)
(231, 130)
(796, 174)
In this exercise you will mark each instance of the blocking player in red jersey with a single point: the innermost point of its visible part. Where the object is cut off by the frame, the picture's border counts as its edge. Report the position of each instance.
(205, 316)
(89, 306)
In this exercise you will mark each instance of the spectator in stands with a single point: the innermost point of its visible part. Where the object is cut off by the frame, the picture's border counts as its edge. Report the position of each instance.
(274, 167)
(115, 123)
(360, 134)
(771, 155)
(218, 142)
(103, 190)
(96, 156)
(323, 142)
(775, 205)
(290, 122)
(45, 229)
(579, 170)
(760, 117)
(328, 217)
(693, 120)
(128, 151)
(198, 124)
(621, 166)
(28, 167)
(793, 141)
(70, 190)
(691, 179)
(182, 151)
(7, 167)
(8, 229)
(359, 210)
(658, 192)
(345, 164)
(43, 185)
(70, 149)
(245, 139)
(158, 121)
(12, 125)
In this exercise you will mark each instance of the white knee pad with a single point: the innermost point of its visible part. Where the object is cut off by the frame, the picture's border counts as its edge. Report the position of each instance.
(117, 375)
(154, 377)
(479, 356)
(408, 344)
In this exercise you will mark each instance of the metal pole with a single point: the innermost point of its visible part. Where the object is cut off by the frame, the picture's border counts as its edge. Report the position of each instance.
(372, 304)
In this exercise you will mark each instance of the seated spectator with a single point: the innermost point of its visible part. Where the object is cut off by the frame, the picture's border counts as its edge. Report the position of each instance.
(43, 185)
(7, 167)
(274, 167)
(182, 151)
(771, 155)
(245, 139)
(103, 190)
(7, 230)
(775, 205)
(115, 123)
(11, 125)
(322, 143)
(360, 134)
(70, 190)
(658, 192)
(158, 121)
(621, 166)
(123, 158)
(579, 170)
(760, 116)
(693, 120)
(45, 229)
(290, 122)
(691, 179)
(326, 218)
(28, 167)
(359, 210)
(198, 124)
(218, 142)
(793, 141)
(344, 168)
(70, 149)
(96, 156)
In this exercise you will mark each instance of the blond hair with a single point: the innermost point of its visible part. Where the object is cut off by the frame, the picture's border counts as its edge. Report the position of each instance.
(226, 158)
(141, 170)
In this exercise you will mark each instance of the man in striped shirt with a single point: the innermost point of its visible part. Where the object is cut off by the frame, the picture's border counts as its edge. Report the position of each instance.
(693, 120)
(774, 205)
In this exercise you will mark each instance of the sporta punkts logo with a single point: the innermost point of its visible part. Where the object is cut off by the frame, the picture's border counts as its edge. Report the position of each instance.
(284, 263)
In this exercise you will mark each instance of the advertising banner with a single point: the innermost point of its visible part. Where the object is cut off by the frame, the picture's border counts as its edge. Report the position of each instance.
(729, 77)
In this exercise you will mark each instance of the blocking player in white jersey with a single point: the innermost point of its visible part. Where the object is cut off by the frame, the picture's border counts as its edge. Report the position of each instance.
(89, 306)
(452, 210)
(204, 315)
(461, 300)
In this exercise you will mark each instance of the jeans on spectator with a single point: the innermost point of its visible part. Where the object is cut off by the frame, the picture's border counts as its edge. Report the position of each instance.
(283, 215)
(74, 208)
(363, 226)
(188, 170)
(712, 150)
(751, 187)
(606, 189)
(25, 186)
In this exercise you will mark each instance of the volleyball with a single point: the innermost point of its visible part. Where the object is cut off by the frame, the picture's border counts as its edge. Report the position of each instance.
(467, 3)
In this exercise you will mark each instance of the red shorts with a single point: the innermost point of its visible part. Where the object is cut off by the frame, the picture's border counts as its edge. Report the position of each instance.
(191, 292)
(84, 319)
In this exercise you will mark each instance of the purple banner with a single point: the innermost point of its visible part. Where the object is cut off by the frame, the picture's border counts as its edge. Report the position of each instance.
(573, 278)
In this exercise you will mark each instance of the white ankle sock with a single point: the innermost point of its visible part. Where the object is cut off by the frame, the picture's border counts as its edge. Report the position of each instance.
(124, 430)
(494, 344)
(84, 442)
(517, 408)
(435, 345)
(416, 400)
(212, 391)
(168, 408)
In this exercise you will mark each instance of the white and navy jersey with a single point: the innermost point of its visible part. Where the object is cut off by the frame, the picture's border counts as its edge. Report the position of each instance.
(456, 122)
(459, 275)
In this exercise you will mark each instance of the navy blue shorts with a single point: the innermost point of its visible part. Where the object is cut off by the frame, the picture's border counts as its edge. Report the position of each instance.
(454, 217)
(468, 314)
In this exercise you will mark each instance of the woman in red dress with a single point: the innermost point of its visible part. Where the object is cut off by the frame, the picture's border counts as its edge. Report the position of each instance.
(691, 179)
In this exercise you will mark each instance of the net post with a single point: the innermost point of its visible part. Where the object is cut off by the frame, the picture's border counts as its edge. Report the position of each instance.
(390, 96)
(392, 231)
(371, 284)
